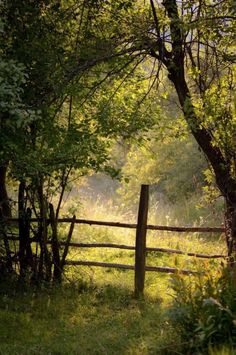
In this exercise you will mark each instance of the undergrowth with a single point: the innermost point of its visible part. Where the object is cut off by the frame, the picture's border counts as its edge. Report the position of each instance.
(204, 310)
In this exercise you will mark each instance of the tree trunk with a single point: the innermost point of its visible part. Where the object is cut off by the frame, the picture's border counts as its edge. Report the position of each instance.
(224, 180)
(4, 200)
(175, 64)
(45, 264)
(230, 225)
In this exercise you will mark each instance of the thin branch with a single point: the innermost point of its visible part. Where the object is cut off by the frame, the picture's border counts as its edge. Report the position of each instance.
(114, 71)
(70, 111)
(65, 177)
(163, 52)
(122, 82)
(199, 20)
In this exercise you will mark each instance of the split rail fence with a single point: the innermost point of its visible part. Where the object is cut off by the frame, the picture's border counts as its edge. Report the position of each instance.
(140, 248)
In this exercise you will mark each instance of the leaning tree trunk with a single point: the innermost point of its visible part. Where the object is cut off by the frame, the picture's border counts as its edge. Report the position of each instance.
(174, 60)
(225, 182)
(4, 200)
(230, 226)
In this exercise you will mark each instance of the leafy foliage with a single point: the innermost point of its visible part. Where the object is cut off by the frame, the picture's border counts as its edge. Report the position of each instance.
(205, 310)
(72, 121)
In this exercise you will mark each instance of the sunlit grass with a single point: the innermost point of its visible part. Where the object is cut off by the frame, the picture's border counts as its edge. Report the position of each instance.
(156, 283)
(94, 311)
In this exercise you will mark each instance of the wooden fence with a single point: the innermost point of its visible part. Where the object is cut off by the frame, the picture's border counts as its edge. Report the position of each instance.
(140, 248)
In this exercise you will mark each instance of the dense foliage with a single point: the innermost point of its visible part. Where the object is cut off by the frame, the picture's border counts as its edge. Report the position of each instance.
(62, 106)
(204, 309)
(85, 74)
(80, 77)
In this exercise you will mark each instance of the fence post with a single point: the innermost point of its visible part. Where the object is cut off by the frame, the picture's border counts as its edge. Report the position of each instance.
(22, 237)
(140, 246)
(55, 245)
(66, 249)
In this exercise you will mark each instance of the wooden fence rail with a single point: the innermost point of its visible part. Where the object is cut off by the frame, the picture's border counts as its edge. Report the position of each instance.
(164, 269)
(129, 225)
(140, 248)
(129, 247)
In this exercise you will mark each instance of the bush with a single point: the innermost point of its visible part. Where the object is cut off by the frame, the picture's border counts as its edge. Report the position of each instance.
(204, 309)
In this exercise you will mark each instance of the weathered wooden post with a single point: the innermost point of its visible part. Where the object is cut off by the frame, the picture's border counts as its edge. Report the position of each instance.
(22, 236)
(140, 246)
(24, 215)
(66, 249)
(28, 251)
(55, 245)
(3, 233)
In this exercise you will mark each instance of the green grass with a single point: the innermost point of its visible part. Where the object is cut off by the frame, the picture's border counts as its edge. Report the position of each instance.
(156, 284)
(82, 320)
(94, 312)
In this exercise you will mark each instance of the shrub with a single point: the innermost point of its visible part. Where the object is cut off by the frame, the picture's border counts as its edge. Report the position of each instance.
(204, 309)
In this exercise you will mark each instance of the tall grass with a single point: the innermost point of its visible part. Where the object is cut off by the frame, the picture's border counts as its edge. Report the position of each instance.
(156, 283)
(95, 312)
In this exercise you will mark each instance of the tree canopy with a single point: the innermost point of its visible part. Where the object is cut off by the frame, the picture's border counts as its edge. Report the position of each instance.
(78, 75)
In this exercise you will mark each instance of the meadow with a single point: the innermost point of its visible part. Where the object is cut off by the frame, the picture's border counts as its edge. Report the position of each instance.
(206, 243)
(94, 311)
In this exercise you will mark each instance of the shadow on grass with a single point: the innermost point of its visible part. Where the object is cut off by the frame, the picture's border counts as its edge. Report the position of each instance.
(78, 319)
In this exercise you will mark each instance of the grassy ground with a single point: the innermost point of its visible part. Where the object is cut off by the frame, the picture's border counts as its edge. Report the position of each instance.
(95, 312)
(84, 320)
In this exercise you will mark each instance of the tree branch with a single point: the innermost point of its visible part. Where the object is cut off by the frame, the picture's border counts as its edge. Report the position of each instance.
(164, 54)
